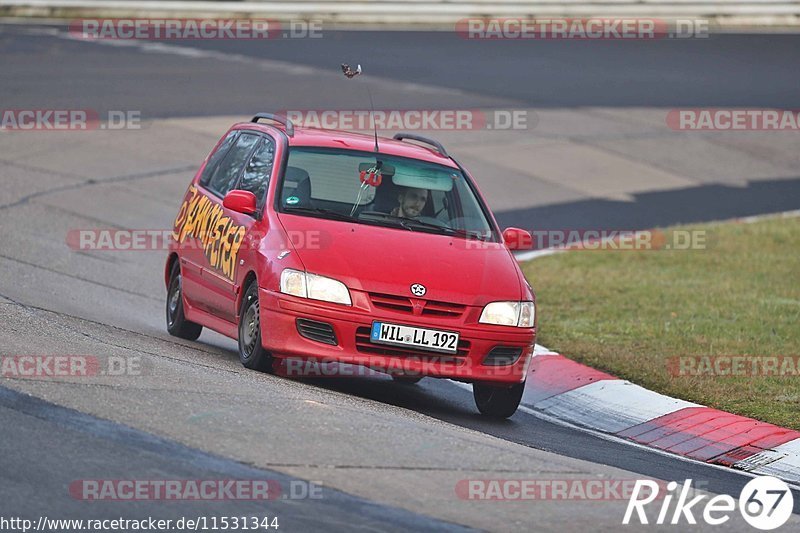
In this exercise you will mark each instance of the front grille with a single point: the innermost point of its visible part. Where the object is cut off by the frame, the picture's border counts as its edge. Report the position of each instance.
(401, 304)
(364, 345)
(316, 331)
(503, 356)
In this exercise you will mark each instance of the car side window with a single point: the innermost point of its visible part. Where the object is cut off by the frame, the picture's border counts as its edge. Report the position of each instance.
(258, 170)
(216, 157)
(230, 168)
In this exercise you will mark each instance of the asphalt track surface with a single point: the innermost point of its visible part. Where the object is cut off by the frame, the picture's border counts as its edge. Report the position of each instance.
(722, 70)
(61, 434)
(66, 304)
(439, 70)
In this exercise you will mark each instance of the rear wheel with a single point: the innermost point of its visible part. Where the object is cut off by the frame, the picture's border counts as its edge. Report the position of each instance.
(251, 353)
(177, 325)
(497, 401)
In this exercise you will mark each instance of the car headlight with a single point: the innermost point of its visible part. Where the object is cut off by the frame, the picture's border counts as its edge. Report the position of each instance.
(305, 285)
(294, 282)
(519, 314)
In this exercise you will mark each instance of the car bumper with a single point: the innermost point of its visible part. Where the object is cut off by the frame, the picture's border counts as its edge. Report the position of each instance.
(351, 325)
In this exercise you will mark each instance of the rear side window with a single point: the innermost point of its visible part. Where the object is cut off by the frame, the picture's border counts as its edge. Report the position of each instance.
(230, 168)
(216, 157)
(257, 172)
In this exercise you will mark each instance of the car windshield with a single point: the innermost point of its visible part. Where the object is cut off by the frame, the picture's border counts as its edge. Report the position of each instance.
(379, 189)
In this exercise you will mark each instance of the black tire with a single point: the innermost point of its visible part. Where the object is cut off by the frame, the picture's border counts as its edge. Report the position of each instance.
(406, 380)
(177, 325)
(497, 401)
(251, 352)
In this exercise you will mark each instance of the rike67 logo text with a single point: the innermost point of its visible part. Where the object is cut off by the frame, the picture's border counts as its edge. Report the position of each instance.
(765, 503)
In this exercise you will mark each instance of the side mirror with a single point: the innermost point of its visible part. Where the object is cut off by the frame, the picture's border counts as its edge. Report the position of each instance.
(240, 201)
(517, 239)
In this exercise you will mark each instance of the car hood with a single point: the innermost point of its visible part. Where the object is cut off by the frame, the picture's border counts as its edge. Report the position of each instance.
(389, 260)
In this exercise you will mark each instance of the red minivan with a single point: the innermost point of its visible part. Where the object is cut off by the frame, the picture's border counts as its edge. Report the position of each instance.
(322, 245)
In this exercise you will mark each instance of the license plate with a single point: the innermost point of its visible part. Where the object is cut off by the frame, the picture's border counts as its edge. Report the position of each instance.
(433, 340)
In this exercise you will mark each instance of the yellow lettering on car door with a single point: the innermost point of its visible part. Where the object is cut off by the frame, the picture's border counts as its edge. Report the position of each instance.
(203, 219)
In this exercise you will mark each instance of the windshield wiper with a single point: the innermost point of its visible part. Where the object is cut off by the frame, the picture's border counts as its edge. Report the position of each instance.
(398, 221)
(407, 222)
(328, 213)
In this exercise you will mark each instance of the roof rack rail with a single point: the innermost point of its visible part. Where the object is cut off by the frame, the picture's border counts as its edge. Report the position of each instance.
(420, 138)
(276, 118)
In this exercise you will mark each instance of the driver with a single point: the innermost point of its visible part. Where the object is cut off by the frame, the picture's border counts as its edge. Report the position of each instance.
(412, 202)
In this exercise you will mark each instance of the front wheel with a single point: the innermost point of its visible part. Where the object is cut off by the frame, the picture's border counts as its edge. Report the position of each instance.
(177, 325)
(251, 353)
(497, 401)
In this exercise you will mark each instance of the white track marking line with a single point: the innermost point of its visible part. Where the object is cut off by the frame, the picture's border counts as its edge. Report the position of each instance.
(535, 254)
(538, 350)
(758, 218)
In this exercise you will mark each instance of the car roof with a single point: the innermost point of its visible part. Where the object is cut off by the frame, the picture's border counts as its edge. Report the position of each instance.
(325, 138)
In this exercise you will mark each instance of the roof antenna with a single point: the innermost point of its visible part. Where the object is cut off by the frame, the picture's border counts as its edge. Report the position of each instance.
(350, 74)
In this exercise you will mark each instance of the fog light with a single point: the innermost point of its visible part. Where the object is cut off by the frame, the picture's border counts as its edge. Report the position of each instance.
(502, 356)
